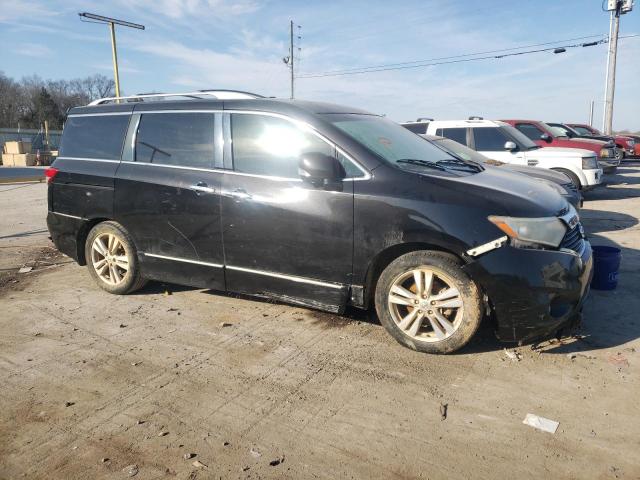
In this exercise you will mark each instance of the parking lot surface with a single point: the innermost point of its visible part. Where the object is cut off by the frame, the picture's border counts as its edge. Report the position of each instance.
(174, 382)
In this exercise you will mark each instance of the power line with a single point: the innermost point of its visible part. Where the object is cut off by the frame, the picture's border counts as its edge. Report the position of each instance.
(459, 56)
(463, 57)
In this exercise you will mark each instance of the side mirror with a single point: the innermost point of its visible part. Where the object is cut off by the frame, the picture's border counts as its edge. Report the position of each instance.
(320, 169)
(511, 146)
(546, 137)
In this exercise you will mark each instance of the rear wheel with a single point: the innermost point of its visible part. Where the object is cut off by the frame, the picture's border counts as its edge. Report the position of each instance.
(427, 303)
(112, 259)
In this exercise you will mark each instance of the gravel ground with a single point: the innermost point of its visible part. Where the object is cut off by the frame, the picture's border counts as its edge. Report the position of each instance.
(176, 382)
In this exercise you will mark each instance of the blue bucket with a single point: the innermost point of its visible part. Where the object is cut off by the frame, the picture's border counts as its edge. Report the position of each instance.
(606, 262)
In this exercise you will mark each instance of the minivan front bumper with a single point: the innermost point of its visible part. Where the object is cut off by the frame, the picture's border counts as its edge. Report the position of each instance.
(533, 293)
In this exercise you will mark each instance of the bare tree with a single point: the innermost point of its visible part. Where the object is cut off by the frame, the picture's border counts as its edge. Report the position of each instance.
(32, 100)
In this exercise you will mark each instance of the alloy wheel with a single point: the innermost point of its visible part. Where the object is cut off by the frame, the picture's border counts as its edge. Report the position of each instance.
(425, 304)
(109, 258)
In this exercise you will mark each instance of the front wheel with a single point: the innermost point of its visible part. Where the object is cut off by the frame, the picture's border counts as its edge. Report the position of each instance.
(427, 303)
(619, 154)
(112, 260)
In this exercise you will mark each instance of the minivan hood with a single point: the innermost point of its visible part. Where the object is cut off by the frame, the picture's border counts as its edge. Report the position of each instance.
(516, 194)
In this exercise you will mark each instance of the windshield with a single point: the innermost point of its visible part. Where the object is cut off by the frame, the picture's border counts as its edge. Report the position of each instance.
(460, 150)
(559, 131)
(583, 131)
(554, 131)
(524, 142)
(388, 140)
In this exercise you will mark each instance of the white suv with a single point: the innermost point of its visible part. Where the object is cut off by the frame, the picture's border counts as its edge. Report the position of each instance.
(500, 141)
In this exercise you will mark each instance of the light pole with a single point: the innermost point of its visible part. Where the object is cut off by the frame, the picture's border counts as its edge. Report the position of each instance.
(112, 22)
(617, 8)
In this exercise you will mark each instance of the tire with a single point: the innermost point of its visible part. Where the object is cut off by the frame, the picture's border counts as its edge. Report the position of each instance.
(108, 270)
(572, 176)
(620, 154)
(426, 333)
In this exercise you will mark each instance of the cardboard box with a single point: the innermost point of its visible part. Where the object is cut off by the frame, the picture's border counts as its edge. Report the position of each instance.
(17, 147)
(18, 159)
(7, 159)
(24, 160)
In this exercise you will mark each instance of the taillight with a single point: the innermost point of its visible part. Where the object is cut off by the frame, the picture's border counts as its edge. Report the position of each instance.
(50, 173)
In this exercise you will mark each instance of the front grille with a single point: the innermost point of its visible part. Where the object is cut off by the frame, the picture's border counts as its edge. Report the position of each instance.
(573, 239)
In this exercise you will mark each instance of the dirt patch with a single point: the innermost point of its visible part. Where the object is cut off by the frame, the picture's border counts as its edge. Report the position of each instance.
(45, 258)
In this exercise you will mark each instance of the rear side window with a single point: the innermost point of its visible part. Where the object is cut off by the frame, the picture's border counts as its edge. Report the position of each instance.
(265, 145)
(99, 137)
(456, 134)
(180, 139)
(530, 130)
(489, 139)
(420, 128)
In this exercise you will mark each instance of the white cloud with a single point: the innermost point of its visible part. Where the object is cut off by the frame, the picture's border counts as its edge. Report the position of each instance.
(33, 50)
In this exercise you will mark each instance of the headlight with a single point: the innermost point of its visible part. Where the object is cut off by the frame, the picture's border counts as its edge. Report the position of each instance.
(545, 230)
(604, 153)
(589, 163)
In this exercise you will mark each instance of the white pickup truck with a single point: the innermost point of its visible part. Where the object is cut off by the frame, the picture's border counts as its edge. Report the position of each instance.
(500, 141)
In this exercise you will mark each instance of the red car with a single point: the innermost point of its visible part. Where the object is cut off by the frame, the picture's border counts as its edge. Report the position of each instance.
(545, 136)
(625, 143)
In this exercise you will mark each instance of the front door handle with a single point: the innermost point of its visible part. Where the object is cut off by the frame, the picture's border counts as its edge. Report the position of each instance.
(202, 187)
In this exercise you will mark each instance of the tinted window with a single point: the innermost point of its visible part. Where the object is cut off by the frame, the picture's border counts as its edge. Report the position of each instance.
(98, 137)
(530, 130)
(456, 134)
(184, 139)
(420, 128)
(489, 139)
(265, 145)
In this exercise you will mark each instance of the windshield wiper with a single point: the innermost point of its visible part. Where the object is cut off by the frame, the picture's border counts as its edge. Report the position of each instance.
(458, 162)
(422, 163)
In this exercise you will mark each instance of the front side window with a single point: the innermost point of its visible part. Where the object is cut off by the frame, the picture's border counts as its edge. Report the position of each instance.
(180, 139)
(456, 134)
(489, 139)
(530, 130)
(271, 146)
(98, 137)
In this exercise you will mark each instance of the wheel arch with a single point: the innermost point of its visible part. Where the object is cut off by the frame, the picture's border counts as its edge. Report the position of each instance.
(572, 175)
(82, 234)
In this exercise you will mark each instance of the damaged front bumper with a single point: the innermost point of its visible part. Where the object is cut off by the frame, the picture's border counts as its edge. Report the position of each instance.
(533, 293)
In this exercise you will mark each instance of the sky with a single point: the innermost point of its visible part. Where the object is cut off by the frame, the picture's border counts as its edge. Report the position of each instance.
(203, 44)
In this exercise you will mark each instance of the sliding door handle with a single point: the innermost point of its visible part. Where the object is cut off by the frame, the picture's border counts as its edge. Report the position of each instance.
(240, 194)
(202, 187)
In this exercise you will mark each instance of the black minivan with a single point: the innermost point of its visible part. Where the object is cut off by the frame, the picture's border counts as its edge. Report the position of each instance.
(319, 205)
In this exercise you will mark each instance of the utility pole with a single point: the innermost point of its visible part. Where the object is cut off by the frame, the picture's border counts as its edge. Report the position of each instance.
(591, 114)
(290, 59)
(617, 8)
(112, 22)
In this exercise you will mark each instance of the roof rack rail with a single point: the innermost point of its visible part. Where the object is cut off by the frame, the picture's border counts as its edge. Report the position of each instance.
(199, 94)
(424, 119)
